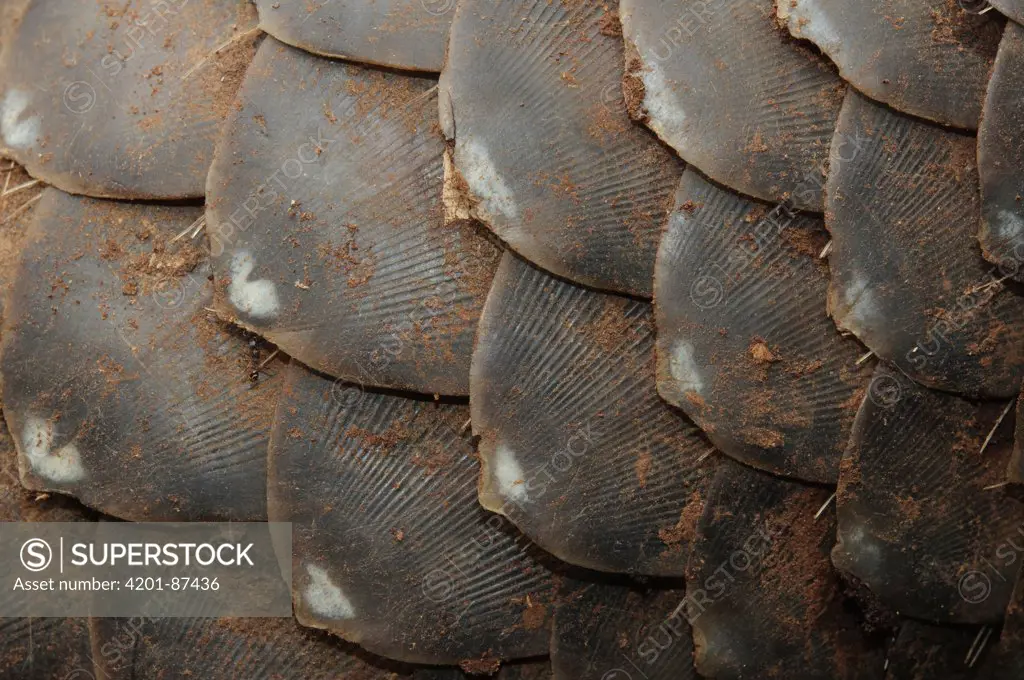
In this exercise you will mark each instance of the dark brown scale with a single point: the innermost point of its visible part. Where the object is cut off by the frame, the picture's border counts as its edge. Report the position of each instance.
(406, 34)
(1015, 470)
(923, 651)
(135, 93)
(120, 388)
(1001, 159)
(1007, 658)
(733, 94)
(745, 347)
(327, 229)
(608, 629)
(1011, 8)
(925, 519)
(390, 547)
(226, 649)
(928, 58)
(577, 448)
(907, 276)
(762, 597)
(35, 648)
(543, 149)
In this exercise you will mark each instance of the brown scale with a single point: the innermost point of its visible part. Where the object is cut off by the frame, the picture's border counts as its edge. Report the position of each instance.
(390, 548)
(543, 150)
(745, 346)
(762, 597)
(405, 34)
(613, 629)
(1011, 8)
(121, 388)
(223, 649)
(326, 224)
(135, 93)
(907, 276)
(577, 448)
(1001, 159)
(929, 59)
(926, 520)
(33, 648)
(724, 86)
(923, 651)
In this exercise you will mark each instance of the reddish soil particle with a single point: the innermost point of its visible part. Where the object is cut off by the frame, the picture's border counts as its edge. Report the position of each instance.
(682, 534)
(806, 241)
(610, 25)
(385, 440)
(534, 617)
(483, 666)
(633, 85)
(760, 352)
(643, 468)
(695, 399)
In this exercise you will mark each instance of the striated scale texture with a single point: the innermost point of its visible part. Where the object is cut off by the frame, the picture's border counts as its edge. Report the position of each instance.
(745, 346)
(133, 95)
(615, 630)
(922, 651)
(119, 387)
(225, 649)
(40, 649)
(907, 276)
(923, 517)
(734, 94)
(406, 34)
(327, 227)
(761, 595)
(928, 58)
(1001, 158)
(544, 151)
(391, 549)
(577, 449)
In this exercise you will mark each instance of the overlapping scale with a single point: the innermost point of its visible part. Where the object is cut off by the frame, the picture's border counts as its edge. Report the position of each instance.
(762, 597)
(615, 630)
(576, 447)
(391, 549)
(745, 346)
(907, 276)
(544, 151)
(37, 647)
(405, 34)
(327, 227)
(925, 520)
(1011, 8)
(122, 101)
(734, 94)
(119, 387)
(1001, 158)
(224, 649)
(926, 58)
(15, 216)
(922, 651)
